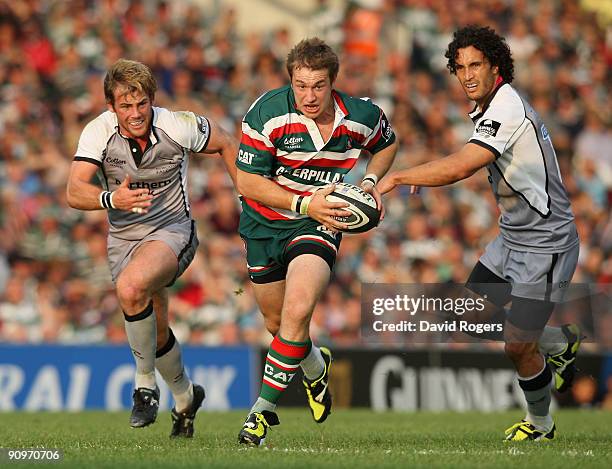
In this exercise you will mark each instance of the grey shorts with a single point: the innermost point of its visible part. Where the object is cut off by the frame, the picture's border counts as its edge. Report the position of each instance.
(180, 237)
(533, 275)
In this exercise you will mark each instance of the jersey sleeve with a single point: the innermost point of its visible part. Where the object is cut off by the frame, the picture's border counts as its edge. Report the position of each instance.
(256, 153)
(382, 134)
(92, 142)
(495, 129)
(190, 130)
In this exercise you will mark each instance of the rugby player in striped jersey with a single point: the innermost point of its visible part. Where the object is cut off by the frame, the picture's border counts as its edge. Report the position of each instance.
(297, 141)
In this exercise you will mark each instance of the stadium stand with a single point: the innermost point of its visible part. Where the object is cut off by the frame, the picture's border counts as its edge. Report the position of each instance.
(54, 282)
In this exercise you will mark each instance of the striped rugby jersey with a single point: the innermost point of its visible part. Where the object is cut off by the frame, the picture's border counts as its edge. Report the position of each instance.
(161, 168)
(280, 143)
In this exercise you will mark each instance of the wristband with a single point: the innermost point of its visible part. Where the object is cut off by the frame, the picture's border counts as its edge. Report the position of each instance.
(106, 199)
(304, 205)
(371, 177)
(295, 202)
(300, 204)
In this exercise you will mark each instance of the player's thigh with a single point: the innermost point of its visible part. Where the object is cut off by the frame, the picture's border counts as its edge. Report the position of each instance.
(152, 266)
(269, 297)
(540, 276)
(487, 277)
(181, 238)
(526, 319)
(307, 277)
(310, 254)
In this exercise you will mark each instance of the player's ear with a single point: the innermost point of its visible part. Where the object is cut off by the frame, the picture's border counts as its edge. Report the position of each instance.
(110, 107)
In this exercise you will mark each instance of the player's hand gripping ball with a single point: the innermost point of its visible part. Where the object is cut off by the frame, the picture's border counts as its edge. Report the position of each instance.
(364, 214)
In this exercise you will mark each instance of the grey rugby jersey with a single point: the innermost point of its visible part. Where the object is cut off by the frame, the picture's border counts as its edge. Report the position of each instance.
(535, 210)
(162, 169)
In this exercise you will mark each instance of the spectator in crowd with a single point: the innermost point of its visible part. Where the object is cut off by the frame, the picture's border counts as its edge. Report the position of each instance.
(52, 58)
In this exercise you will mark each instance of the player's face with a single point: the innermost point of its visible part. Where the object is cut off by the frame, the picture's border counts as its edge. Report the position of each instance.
(476, 74)
(313, 92)
(134, 112)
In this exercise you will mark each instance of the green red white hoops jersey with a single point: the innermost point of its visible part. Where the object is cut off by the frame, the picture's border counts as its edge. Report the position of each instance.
(280, 143)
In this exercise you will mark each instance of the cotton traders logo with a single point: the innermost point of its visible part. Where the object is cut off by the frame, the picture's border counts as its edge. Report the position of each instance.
(488, 128)
(115, 162)
(292, 142)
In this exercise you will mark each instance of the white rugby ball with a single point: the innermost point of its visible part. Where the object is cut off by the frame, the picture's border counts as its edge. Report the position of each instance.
(364, 214)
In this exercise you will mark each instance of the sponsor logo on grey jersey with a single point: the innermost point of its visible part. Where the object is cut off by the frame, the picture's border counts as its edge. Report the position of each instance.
(488, 128)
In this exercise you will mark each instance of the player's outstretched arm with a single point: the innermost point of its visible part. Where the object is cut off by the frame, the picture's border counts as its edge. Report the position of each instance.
(378, 166)
(225, 144)
(83, 195)
(447, 170)
(267, 192)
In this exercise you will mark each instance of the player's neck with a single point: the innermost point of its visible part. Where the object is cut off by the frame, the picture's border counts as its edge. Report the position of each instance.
(482, 102)
(142, 141)
(327, 116)
(325, 123)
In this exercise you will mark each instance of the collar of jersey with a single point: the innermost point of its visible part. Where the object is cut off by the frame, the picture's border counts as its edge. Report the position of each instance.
(475, 113)
(340, 113)
(339, 106)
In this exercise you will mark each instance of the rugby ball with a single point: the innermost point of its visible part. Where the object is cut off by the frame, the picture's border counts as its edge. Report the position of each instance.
(364, 214)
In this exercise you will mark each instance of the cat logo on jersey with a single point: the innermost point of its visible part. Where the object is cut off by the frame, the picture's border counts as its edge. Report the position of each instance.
(488, 128)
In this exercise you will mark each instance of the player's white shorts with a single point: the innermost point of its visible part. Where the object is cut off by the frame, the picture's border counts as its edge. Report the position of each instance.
(533, 275)
(180, 237)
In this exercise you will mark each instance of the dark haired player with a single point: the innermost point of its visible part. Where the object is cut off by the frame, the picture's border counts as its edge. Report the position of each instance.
(536, 253)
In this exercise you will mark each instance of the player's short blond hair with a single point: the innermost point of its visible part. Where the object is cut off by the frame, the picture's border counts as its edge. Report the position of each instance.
(315, 54)
(134, 76)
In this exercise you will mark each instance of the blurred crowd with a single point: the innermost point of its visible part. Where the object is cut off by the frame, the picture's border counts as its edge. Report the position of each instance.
(55, 284)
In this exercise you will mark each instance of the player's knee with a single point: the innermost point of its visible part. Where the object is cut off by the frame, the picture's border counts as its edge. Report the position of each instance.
(296, 312)
(518, 351)
(130, 294)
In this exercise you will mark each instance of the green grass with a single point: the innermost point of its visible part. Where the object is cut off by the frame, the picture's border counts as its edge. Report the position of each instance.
(350, 438)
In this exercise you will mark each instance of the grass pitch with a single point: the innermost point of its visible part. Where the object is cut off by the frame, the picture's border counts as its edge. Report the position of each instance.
(350, 438)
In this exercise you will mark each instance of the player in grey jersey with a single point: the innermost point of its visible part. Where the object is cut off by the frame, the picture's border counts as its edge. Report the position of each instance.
(140, 155)
(535, 255)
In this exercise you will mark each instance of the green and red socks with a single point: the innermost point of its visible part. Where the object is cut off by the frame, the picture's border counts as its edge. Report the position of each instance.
(281, 365)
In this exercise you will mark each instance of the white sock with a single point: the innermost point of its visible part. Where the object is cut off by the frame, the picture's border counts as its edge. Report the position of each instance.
(543, 423)
(261, 404)
(146, 380)
(552, 341)
(142, 337)
(169, 363)
(183, 401)
(313, 365)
